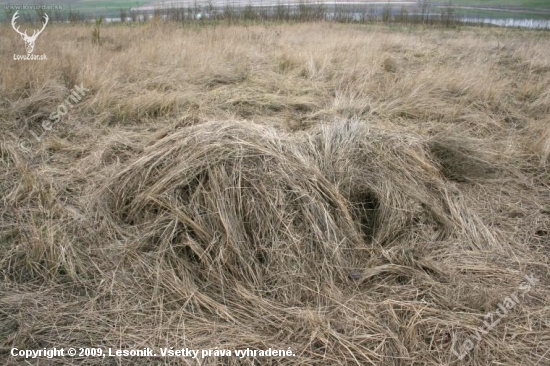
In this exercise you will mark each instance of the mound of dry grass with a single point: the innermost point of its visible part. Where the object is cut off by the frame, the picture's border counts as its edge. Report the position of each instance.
(229, 205)
(239, 216)
(361, 195)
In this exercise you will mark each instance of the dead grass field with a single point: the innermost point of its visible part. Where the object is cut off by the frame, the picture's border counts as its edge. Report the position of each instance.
(361, 194)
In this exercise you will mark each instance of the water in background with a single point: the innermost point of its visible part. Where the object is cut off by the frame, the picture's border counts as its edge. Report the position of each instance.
(520, 23)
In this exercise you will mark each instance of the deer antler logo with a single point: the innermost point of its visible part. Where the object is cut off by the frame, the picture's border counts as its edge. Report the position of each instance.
(29, 41)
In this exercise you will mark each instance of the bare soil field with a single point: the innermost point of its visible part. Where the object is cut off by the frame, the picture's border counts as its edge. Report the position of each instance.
(358, 195)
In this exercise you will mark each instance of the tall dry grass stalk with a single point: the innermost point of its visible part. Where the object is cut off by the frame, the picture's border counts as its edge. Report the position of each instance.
(360, 194)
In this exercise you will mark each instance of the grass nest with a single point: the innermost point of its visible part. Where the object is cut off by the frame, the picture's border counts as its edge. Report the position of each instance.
(236, 221)
(236, 203)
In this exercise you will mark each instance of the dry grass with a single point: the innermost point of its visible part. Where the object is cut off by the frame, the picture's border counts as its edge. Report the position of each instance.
(360, 194)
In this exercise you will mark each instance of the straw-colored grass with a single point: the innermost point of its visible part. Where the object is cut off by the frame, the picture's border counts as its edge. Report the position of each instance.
(360, 194)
